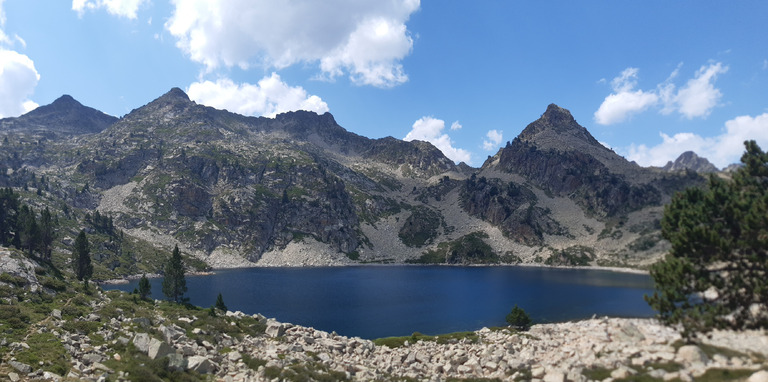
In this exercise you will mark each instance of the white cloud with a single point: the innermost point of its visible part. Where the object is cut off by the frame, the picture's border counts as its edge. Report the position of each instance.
(625, 101)
(431, 130)
(494, 140)
(269, 97)
(121, 8)
(699, 95)
(365, 39)
(721, 150)
(696, 99)
(456, 125)
(18, 78)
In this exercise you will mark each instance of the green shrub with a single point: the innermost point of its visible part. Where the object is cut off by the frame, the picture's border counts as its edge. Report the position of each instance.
(53, 283)
(519, 319)
(12, 279)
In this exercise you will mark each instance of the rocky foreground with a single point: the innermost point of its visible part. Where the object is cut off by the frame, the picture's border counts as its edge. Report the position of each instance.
(237, 347)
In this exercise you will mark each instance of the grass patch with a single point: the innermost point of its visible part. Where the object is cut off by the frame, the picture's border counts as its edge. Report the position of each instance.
(46, 348)
(395, 342)
(716, 375)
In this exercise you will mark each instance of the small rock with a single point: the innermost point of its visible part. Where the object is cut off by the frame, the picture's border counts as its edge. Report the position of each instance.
(760, 376)
(21, 367)
(554, 376)
(102, 367)
(13, 377)
(275, 329)
(622, 372)
(56, 313)
(176, 362)
(51, 376)
(691, 354)
(234, 356)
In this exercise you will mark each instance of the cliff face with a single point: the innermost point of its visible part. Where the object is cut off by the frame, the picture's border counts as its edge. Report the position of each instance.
(231, 189)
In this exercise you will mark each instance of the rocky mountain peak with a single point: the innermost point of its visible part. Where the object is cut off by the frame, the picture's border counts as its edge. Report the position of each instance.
(557, 129)
(176, 93)
(689, 160)
(65, 115)
(66, 100)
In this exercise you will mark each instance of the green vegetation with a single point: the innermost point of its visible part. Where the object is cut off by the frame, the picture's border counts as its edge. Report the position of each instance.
(577, 255)
(716, 269)
(174, 283)
(81, 259)
(468, 249)
(395, 342)
(220, 303)
(145, 288)
(519, 319)
(421, 227)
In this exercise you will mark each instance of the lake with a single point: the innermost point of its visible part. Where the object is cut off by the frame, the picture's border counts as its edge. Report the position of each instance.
(381, 301)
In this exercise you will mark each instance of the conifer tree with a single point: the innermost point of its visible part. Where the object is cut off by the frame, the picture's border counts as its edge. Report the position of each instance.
(27, 230)
(174, 284)
(47, 234)
(716, 273)
(81, 259)
(220, 303)
(145, 288)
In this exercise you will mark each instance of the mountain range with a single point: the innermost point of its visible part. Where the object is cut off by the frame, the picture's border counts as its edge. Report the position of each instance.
(299, 189)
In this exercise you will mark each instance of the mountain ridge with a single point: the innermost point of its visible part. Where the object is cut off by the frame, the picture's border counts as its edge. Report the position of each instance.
(234, 190)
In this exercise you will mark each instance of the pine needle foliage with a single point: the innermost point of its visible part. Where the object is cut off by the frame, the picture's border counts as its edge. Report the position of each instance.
(174, 283)
(716, 273)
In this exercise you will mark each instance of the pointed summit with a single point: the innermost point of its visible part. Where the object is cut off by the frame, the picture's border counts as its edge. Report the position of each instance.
(690, 161)
(557, 126)
(65, 116)
(176, 93)
(66, 100)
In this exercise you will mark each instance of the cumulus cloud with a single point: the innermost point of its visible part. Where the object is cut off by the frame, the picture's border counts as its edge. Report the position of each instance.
(269, 97)
(121, 8)
(366, 39)
(699, 95)
(494, 140)
(456, 125)
(721, 150)
(18, 79)
(431, 130)
(624, 101)
(695, 99)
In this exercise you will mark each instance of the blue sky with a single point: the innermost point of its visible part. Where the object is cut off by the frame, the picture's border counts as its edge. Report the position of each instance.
(649, 79)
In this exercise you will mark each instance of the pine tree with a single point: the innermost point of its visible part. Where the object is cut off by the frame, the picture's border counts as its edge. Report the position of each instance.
(81, 258)
(27, 230)
(220, 303)
(174, 284)
(47, 234)
(145, 288)
(519, 319)
(9, 207)
(715, 273)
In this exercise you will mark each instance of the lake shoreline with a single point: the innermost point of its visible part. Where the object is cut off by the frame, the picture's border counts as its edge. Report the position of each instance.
(212, 271)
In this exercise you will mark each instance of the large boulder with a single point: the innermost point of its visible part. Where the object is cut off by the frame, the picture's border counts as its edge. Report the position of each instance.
(141, 342)
(200, 364)
(159, 349)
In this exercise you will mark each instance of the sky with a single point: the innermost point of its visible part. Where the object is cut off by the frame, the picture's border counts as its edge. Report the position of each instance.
(648, 79)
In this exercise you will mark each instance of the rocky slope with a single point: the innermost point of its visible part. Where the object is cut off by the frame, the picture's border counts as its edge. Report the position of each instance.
(235, 191)
(113, 336)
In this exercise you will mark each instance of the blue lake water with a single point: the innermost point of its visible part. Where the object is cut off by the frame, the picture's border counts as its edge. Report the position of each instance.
(381, 301)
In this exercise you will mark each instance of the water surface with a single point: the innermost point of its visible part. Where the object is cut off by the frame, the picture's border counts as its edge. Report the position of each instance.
(381, 301)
